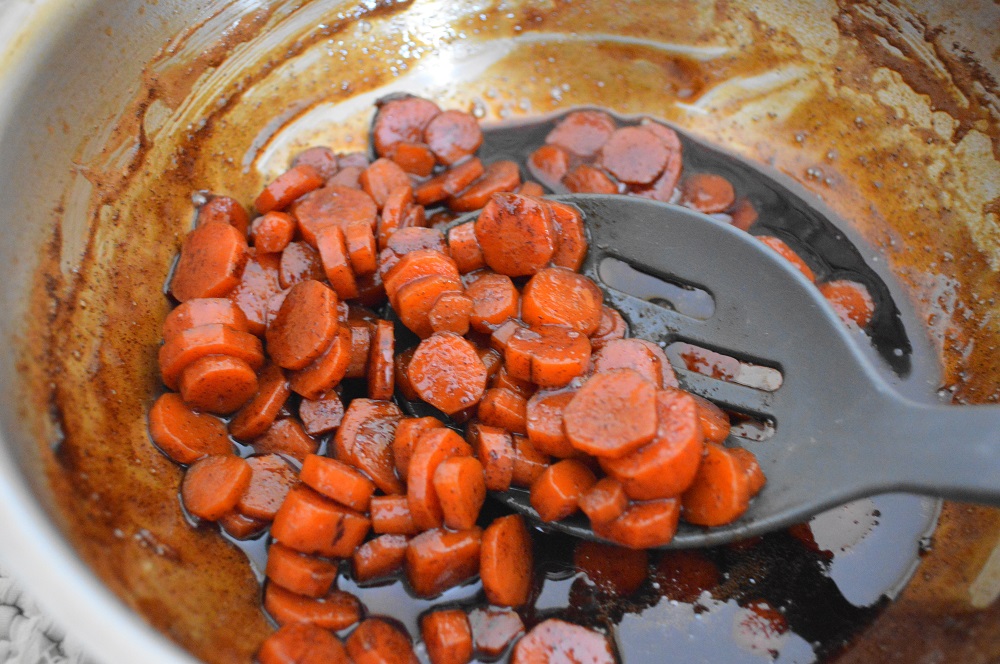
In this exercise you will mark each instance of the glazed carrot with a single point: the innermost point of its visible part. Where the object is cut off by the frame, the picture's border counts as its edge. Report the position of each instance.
(751, 468)
(336, 263)
(305, 326)
(380, 178)
(416, 299)
(447, 636)
(298, 572)
(439, 559)
(432, 191)
(337, 481)
(258, 286)
(506, 561)
(270, 483)
(494, 629)
(361, 340)
(643, 525)
(416, 264)
(529, 463)
(557, 296)
(401, 119)
(379, 557)
(288, 186)
(515, 234)
(397, 202)
(494, 301)
(432, 447)
(226, 210)
(629, 354)
(213, 485)
(500, 176)
(364, 440)
(349, 159)
(451, 313)
(707, 192)
(402, 377)
(377, 641)
(460, 486)
(302, 643)
(612, 568)
(381, 368)
(407, 433)
(348, 177)
(555, 494)
(414, 158)
(684, 575)
(259, 413)
(571, 236)
(549, 163)
(492, 360)
(495, 450)
(360, 241)
(585, 179)
(465, 248)
(667, 465)
(605, 501)
(548, 355)
(212, 258)
(634, 156)
(786, 252)
(215, 339)
(743, 214)
(714, 420)
(310, 523)
(447, 373)
(186, 436)
(371, 291)
(593, 419)
(504, 380)
(663, 189)
(503, 409)
(544, 423)
(391, 515)
(241, 527)
(458, 177)
(323, 160)
(335, 611)
(218, 384)
(286, 436)
(203, 311)
(333, 205)
(612, 326)
(720, 492)
(582, 132)
(415, 238)
(272, 232)
(453, 136)
(327, 370)
(530, 189)
(668, 378)
(850, 299)
(557, 641)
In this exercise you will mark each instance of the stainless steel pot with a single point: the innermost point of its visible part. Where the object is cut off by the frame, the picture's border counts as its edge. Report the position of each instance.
(111, 116)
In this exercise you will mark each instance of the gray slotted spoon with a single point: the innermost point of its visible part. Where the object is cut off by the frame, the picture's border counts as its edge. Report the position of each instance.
(841, 432)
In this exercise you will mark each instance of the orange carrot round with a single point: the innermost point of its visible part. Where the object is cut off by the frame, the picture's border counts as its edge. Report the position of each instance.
(515, 234)
(286, 436)
(288, 186)
(507, 561)
(593, 418)
(218, 384)
(337, 481)
(335, 611)
(447, 373)
(440, 559)
(377, 641)
(271, 480)
(254, 418)
(433, 447)
(460, 486)
(557, 641)
(310, 523)
(298, 572)
(556, 493)
(302, 643)
(184, 435)
(203, 311)
(643, 525)
(212, 486)
(447, 636)
(548, 355)
(304, 327)
(557, 296)
(379, 557)
(211, 261)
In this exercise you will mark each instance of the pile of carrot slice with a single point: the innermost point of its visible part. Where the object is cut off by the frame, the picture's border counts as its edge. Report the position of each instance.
(516, 346)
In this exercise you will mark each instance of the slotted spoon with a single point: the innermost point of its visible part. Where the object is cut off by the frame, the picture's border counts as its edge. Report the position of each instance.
(841, 431)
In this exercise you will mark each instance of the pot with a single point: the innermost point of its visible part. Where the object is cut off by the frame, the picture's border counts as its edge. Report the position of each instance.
(885, 113)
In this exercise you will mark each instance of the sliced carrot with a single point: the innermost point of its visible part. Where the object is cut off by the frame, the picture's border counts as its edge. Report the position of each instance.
(203, 311)
(447, 636)
(460, 486)
(495, 450)
(571, 236)
(394, 211)
(416, 299)
(402, 378)
(218, 384)
(714, 420)
(499, 177)
(554, 640)
(664, 188)
(507, 561)
(644, 525)
(379, 557)
(213, 485)
(415, 238)
(611, 327)
(605, 501)
(548, 355)
(460, 176)
(494, 301)
(391, 515)
(240, 526)
(751, 468)
(684, 575)
(335, 611)
(214, 339)
(447, 373)
(333, 205)
(272, 232)
(407, 433)
(350, 159)
(492, 360)
(634, 156)
(432, 447)
(416, 264)
(364, 440)
(380, 178)
(305, 325)
(381, 367)
(260, 412)
(286, 436)
(549, 163)
(302, 643)
(503, 409)
(377, 641)
(453, 136)
(850, 299)
(668, 377)
(414, 158)
(323, 160)
(310, 523)
(582, 132)
(707, 192)
(502, 334)
(720, 492)
(504, 380)
(348, 177)
(666, 466)
(212, 259)
(258, 286)
(516, 235)
(270, 483)
(327, 370)
(226, 210)
(451, 313)
(361, 339)
(494, 629)
(401, 119)
(593, 419)
(336, 263)
(439, 559)
(529, 463)
(337, 481)
(288, 186)
(555, 494)
(585, 179)
(743, 214)
(786, 252)
(544, 423)
(432, 191)
(298, 572)
(530, 189)
(557, 296)
(321, 415)
(629, 354)
(465, 248)
(611, 568)
(360, 241)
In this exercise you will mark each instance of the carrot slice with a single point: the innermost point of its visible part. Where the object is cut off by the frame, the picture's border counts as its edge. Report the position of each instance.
(337, 481)
(203, 311)
(460, 486)
(304, 327)
(213, 485)
(447, 373)
(415, 238)
(214, 339)
(364, 440)
(402, 378)
(380, 178)
(503, 409)
(270, 483)
(850, 299)
(494, 629)
(500, 176)
(272, 232)
(585, 179)
(495, 450)
(786, 252)
(548, 355)
(751, 468)
(432, 191)
(663, 189)
(557, 296)
(453, 136)
(414, 158)
(376, 641)
(506, 562)
(555, 494)
(611, 327)
(212, 258)
(629, 354)
(260, 412)
(668, 378)
(515, 234)
(743, 214)
(643, 525)
(571, 236)
(240, 526)
(391, 515)
(310, 523)
(494, 301)
(554, 640)
(397, 202)
(439, 559)
(327, 370)
(288, 186)
(720, 492)
(381, 368)
(259, 284)
(611, 568)
(451, 313)
(543, 415)
(286, 437)
(407, 433)
(379, 557)
(401, 119)
(323, 160)
(529, 463)
(348, 177)
(593, 418)
(504, 380)
(433, 447)
(361, 339)
(634, 156)
(605, 501)
(460, 176)
(549, 163)
(302, 643)
(492, 360)
(530, 189)
(333, 205)
(714, 420)
(218, 384)
(707, 192)
(447, 636)
(322, 415)
(582, 132)
(335, 611)
(226, 210)
(336, 263)
(298, 572)
(416, 299)
(360, 241)
(182, 434)
(416, 264)
(465, 249)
